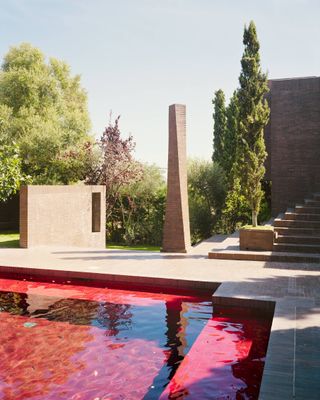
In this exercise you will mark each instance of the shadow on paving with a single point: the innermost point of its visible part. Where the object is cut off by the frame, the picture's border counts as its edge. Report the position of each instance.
(125, 255)
(292, 266)
(227, 248)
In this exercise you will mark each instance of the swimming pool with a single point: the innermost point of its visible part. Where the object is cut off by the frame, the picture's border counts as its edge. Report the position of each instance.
(71, 341)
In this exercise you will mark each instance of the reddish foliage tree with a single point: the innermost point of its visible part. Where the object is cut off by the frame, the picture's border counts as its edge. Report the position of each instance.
(118, 167)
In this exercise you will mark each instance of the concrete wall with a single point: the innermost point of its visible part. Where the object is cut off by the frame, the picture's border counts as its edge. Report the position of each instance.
(61, 216)
(293, 140)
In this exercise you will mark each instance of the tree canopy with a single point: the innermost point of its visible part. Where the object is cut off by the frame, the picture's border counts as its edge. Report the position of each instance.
(231, 136)
(10, 171)
(43, 108)
(253, 117)
(207, 190)
(219, 131)
(117, 167)
(239, 146)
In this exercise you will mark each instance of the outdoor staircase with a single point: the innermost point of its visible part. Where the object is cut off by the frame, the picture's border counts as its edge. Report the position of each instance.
(297, 238)
(298, 229)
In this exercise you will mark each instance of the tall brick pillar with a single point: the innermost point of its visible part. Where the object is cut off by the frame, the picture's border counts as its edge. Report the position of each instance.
(176, 232)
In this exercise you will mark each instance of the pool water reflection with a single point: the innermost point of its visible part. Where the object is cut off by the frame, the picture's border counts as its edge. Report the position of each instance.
(69, 341)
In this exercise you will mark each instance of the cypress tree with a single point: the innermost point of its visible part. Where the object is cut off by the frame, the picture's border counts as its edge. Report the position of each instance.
(219, 131)
(231, 136)
(253, 117)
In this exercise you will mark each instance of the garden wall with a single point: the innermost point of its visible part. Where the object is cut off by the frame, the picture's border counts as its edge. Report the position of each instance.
(62, 216)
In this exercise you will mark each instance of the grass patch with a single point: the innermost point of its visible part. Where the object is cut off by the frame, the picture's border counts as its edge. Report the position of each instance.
(9, 239)
(143, 247)
(264, 227)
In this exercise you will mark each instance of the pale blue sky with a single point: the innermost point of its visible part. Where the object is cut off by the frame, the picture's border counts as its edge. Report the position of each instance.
(136, 57)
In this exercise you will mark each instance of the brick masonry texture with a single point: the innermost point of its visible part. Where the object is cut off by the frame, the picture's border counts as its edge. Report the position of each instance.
(293, 140)
(60, 215)
(176, 232)
(256, 239)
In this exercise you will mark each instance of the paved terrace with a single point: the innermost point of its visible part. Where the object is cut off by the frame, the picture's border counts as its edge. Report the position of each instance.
(292, 369)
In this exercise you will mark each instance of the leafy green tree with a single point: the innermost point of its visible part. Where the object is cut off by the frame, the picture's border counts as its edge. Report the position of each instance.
(5, 124)
(137, 213)
(253, 117)
(135, 192)
(235, 211)
(143, 207)
(45, 112)
(11, 175)
(219, 130)
(207, 190)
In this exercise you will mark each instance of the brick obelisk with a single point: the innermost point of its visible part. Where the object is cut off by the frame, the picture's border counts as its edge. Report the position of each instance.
(176, 231)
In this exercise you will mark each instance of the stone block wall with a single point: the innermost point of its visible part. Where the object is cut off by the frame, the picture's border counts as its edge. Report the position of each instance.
(62, 216)
(293, 140)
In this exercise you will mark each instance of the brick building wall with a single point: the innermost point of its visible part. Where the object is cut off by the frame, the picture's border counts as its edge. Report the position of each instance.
(293, 140)
(62, 216)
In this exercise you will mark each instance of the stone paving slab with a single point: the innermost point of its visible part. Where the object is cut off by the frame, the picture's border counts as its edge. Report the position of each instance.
(292, 361)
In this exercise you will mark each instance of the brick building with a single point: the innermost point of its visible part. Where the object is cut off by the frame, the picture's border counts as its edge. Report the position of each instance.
(293, 140)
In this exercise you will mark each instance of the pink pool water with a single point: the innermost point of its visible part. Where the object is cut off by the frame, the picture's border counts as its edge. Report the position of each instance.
(70, 341)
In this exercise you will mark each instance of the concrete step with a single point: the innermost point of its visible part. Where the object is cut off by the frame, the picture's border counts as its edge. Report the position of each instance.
(265, 256)
(296, 224)
(304, 209)
(297, 248)
(312, 202)
(283, 230)
(304, 239)
(301, 216)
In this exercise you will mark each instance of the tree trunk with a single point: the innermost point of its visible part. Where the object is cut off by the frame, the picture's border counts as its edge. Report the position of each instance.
(254, 218)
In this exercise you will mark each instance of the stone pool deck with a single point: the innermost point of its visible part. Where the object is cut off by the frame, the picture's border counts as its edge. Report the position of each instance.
(292, 369)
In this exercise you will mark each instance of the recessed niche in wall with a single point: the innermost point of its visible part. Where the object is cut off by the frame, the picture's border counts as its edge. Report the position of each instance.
(96, 212)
